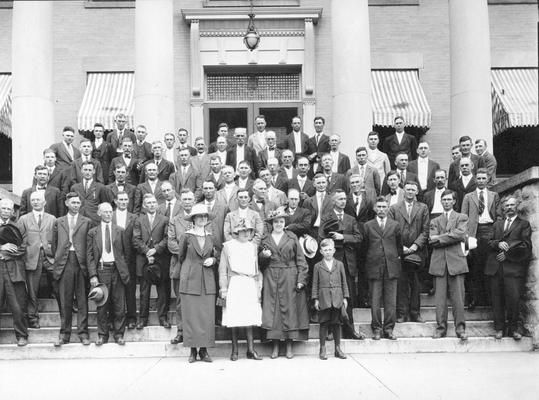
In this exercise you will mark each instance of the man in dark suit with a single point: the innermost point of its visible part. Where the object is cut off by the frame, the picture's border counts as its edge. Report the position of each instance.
(244, 180)
(486, 160)
(287, 165)
(270, 151)
(186, 175)
(171, 206)
(335, 180)
(125, 220)
(102, 151)
(107, 265)
(115, 138)
(399, 142)
(448, 265)
(424, 168)
(404, 176)
(69, 243)
(507, 268)
(215, 175)
(218, 208)
(127, 160)
(413, 219)
(91, 193)
(86, 156)
(298, 218)
(341, 162)
(433, 198)
(54, 204)
(318, 144)
(344, 230)
(301, 181)
(36, 229)
(65, 151)
(152, 186)
(369, 175)
(383, 241)
(120, 185)
(142, 150)
(12, 274)
(152, 260)
(465, 145)
(465, 184)
(396, 193)
(164, 167)
(242, 152)
(318, 204)
(57, 176)
(297, 141)
(183, 135)
(483, 209)
(222, 131)
(279, 181)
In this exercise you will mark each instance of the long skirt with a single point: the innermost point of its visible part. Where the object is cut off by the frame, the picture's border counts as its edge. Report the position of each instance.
(242, 306)
(198, 315)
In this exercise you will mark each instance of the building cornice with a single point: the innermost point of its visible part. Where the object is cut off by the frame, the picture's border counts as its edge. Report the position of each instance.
(241, 13)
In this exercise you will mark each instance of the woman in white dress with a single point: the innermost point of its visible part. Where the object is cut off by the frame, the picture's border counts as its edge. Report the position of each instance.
(240, 283)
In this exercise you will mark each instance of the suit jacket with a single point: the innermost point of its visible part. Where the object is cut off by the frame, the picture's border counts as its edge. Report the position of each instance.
(232, 201)
(192, 151)
(114, 140)
(162, 209)
(454, 168)
(94, 251)
(253, 218)
(458, 187)
(384, 249)
(112, 191)
(248, 184)
(410, 176)
(432, 167)
(400, 196)
(371, 178)
(311, 204)
(90, 199)
(219, 183)
(201, 164)
(470, 207)
(76, 174)
(346, 249)
(54, 201)
(132, 173)
(36, 237)
(291, 144)
(320, 148)
(14, 261)
(249, 156)
(195, 279)
(337, 181)
(146, 237)
(392, 147)
(308, 187)
(216, 225)
(60, 179)
(343, 164)
(518, 234)
(231, 141)
(263, 158)
(61, 244)
(299, 223)
(142, 189)
(366, 208)
(176, 229)
(447, 255)
(104, 154)
(129, 251)
(281, 182)
(142, 153)
(329, 286)
(488, 161)
(164, 170)
(63, 159)
(414, 229)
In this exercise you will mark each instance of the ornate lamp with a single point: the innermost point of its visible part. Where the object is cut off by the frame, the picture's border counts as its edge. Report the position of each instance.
(251, 39)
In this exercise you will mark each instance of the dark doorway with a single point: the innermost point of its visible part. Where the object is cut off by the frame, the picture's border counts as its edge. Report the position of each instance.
(233, 117)
(6, 175)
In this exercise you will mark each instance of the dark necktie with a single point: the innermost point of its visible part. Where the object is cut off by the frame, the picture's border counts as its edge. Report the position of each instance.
(108, 247)
(39, 220)
(507, 223)
(339, 217)
(169, 210)
(481, 202)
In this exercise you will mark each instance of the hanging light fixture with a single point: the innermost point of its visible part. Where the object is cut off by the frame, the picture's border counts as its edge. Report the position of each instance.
(251, 39)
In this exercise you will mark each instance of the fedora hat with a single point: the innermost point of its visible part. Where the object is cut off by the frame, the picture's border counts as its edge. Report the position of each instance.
(469, 244)
(309, 245)
(199, 209)
(242, 225)
(99, 294)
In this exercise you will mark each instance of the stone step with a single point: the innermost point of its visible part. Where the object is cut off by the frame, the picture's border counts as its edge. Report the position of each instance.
(158, 333)
(221, 351)
(429, 314)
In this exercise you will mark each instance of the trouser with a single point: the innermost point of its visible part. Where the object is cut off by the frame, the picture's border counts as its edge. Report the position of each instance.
(177, 307)
(363, 296)
(51, 285)
(348, 325)
(33, 277)
(115, 305)
(475, 280)
(455, 285)
(506, 292)
(408, 292)
(383, 294)
(12, 292)
(73, 284)
(130, 294)
(163, 298)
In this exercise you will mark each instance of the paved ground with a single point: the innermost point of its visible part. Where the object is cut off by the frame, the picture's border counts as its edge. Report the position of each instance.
(385, 376)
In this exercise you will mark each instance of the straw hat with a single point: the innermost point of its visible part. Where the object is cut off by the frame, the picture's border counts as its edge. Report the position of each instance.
(309, 246)
(199, 209)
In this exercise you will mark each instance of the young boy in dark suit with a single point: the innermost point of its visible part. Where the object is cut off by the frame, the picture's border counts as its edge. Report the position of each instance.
(330, 293)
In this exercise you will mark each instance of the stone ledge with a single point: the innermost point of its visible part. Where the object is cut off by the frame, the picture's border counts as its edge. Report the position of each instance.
(517, 181)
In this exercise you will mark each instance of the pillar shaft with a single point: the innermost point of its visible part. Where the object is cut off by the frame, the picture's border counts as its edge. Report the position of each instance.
(33, 107)
(154, 67)
(471, 108)
(352, 110)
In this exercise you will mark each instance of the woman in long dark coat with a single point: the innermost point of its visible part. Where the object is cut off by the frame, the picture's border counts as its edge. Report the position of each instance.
(284, 304)
(198, 256)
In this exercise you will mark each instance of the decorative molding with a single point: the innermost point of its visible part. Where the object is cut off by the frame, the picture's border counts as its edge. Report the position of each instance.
(243, 3)
(393, 2)
(6, 4)
(241, 13)
(196, 80)
(263, 33)
(309, 58)
(498, 2)
(109, 4)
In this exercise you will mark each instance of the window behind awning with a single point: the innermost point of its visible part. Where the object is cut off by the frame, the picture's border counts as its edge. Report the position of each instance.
(5, 104)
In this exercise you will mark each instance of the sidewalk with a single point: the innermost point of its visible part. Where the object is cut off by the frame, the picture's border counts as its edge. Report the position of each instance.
(380, 376)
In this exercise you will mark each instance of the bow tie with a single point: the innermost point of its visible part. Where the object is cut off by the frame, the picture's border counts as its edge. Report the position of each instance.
(126, 155)
(393, 192)
(260, 201)
(272, 148)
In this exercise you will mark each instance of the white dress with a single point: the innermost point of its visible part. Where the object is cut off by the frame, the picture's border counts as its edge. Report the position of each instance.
(242, 305)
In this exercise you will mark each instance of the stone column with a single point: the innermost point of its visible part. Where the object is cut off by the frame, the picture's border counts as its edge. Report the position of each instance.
(33, 107)
(154, 67)
(471, 108)
(352, 109)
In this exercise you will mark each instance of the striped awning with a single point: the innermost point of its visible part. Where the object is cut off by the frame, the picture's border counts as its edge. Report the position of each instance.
(107, 94)
(514, 98)
(5, 104)
(399, 93)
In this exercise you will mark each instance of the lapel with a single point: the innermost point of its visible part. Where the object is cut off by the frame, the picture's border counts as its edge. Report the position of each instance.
(475, 198)
(451, 222)
(513, 225)
(402, 209)
(99, 239)
(415, 210)
(377, 227)
(77, 225)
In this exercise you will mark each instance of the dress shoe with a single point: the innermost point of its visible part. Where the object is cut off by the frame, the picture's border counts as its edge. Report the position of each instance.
(120, 341)
(418, 319)
(339, 353)
(357, 335)
(391, 336)
(100, 341)
(274, 353)
(462, 336)
(400, 320)
(377, 335)
(141, 325)
(234, 356)
(289, 354)
(61, 341)
(131, 325)
(204, 356)
(253, 355)
(165, 324)
(85, 341)
(471, 306)
(322, 354)
(192, 356)
(431, 292)
(22, 341)
(438, 335)
(517, 335)
(177, 339)
(498, 335)
(34, 325)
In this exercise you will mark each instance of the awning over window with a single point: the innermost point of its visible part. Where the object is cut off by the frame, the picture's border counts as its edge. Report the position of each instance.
(514, 98)
(106, 95)
(5, 104)
(398, 92)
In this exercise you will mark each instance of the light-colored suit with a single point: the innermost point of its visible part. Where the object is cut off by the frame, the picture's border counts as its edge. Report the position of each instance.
(232, 201)
(252, 217)
(371, 178)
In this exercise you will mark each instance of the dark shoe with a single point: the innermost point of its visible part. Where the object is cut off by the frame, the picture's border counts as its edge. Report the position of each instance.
(22, 341)
(391, 336)
(204, 356)
(432, 292)
(462, 336)
(322, 354)
(34, 324)
(253, 355)
(400, 320)
(177, 339)
(357, 335)
(234, 356)
(339, 353)
(141, 325)
(100, 341)
(165, 324)
(418, 319)
(61, 341)
(517, 335)
(120, 341)
(193, 355)
(471, 306)
(498, 335)
(438, 335)
(377, 335)
(85, 341)
(131, 325)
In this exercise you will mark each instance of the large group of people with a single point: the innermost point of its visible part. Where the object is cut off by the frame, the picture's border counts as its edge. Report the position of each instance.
(268, 230)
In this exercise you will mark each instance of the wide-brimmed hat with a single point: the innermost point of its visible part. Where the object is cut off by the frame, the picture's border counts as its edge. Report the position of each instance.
(99, 294)
(277, 213)
(331, 225)
(199, 209)
(469, 244)
(309, 245)
(242, 225)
